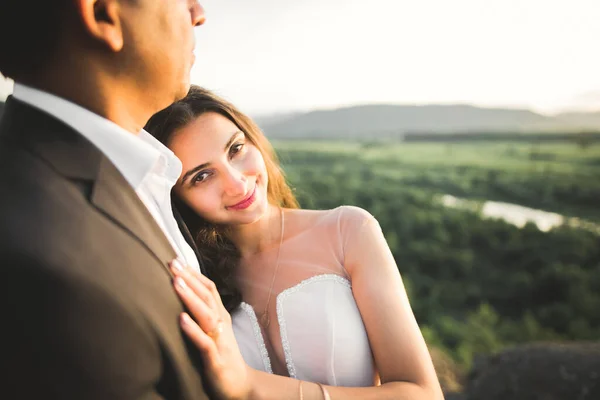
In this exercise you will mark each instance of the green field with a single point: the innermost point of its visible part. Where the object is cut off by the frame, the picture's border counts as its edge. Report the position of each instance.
(476, 284)
(558, 177)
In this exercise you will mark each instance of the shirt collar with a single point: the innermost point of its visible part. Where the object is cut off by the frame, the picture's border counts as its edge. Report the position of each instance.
(169, 165)
(133, 155)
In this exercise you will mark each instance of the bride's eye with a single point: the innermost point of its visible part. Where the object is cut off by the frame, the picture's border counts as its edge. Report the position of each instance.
(235, 148)
(200, 177)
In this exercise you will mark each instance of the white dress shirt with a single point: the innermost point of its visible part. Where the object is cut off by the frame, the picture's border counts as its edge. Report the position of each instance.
(149, 166)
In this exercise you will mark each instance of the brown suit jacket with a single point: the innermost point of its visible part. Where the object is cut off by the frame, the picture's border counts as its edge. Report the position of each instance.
(87, 306)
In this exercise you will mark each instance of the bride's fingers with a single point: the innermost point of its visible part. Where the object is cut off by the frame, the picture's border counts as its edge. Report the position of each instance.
(204, 342)
(195, 284)
(178, 269)
(210, 285)
(207, 318)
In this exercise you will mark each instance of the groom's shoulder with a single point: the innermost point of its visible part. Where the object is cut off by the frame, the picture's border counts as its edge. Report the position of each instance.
(31, 189)
(41, 212)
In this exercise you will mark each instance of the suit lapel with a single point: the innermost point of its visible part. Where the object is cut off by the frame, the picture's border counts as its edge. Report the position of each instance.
(113, 195)
(74, 157)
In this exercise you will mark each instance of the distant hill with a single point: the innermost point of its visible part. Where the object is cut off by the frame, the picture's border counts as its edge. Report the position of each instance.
(271, 119)
(384, 121)
(582, 119)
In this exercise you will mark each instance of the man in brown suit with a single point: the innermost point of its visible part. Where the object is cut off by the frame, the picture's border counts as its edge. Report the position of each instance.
(86, 227)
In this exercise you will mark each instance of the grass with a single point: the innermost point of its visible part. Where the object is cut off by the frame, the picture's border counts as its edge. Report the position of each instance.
(558, 177)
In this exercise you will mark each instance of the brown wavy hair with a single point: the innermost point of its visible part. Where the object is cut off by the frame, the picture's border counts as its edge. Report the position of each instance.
(218, 254)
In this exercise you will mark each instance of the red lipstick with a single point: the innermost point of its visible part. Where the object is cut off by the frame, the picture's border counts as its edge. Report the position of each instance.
(247, 202)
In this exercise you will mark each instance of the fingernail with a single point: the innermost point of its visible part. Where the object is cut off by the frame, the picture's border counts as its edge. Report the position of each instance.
(177, 265)
(185, 319)
(181, 283)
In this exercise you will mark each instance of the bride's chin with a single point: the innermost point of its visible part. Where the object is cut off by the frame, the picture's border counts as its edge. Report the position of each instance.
(258, 212)
(261, 211)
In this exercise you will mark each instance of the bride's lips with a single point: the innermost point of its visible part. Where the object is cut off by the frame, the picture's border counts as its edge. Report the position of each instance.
(247, 202)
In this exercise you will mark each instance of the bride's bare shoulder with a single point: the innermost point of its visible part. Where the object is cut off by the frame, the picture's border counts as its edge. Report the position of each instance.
(305, 218)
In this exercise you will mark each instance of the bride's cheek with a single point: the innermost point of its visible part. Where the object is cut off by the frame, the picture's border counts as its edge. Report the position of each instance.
(258, 162)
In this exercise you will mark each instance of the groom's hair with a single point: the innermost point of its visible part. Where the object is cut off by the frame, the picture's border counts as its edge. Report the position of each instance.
(29, 34)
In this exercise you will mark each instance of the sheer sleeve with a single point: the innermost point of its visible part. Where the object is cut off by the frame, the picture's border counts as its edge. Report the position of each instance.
(398, 347)
(362, 238)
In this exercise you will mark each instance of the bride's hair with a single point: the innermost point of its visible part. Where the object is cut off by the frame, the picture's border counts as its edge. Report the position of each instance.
(218, 254)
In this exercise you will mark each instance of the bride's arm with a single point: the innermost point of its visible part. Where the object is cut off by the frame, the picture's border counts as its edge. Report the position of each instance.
(267, 386)
(400, 353)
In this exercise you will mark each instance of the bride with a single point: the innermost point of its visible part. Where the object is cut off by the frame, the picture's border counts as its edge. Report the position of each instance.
(305, 304)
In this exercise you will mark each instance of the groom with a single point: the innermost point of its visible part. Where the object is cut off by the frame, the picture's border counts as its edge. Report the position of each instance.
(86, 228)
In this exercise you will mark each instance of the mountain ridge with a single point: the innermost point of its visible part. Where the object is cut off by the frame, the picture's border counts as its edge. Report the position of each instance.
(392, 120)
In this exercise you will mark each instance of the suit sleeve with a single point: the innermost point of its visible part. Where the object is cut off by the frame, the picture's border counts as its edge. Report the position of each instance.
(63, 337)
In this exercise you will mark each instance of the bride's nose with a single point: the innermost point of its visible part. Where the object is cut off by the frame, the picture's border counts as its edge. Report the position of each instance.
(235, 182)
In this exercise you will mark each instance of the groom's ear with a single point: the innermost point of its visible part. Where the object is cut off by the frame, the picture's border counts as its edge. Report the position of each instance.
(102, 20)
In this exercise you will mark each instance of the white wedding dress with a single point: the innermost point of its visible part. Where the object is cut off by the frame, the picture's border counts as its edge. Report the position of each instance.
(320, 329)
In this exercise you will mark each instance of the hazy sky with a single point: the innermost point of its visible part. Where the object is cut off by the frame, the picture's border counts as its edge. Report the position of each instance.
(269, 55)
(280, 55)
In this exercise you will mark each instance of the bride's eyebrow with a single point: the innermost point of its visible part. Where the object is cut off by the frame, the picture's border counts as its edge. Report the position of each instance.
(193, 171)
(231, 139)
(202, 166)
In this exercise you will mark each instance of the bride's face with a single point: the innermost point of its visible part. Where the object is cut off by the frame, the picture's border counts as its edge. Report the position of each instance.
(224, 178)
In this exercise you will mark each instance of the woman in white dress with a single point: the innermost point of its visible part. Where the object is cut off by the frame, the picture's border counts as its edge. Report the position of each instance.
(305, 304)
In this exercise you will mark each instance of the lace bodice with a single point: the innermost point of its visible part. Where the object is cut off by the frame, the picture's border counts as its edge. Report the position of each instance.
(322, 333)
(320, 328)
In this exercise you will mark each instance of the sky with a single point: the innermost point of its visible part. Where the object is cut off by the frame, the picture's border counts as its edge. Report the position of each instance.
(271, 56)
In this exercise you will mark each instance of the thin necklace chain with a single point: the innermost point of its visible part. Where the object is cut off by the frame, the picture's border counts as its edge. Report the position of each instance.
(264, 317)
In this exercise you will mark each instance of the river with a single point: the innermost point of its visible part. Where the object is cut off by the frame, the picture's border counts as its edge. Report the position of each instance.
(519, 215)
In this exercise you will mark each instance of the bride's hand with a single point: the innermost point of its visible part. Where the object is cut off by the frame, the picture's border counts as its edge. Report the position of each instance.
(211, 331)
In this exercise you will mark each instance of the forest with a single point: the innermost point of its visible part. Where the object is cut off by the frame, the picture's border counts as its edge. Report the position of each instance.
(476, 284)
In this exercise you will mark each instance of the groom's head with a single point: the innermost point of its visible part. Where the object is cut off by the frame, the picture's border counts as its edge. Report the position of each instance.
(144, 45)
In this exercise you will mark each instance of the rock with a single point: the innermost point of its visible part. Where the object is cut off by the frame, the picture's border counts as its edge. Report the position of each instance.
(538, 371)
(448, 373)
